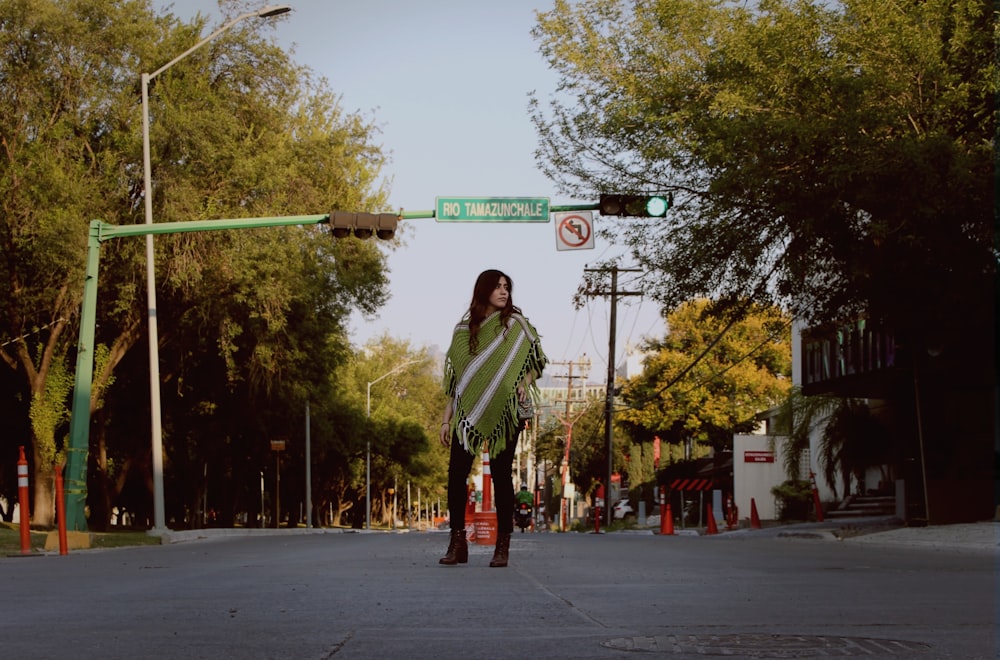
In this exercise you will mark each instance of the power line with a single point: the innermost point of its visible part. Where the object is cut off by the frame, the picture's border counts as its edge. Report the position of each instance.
(735, 316)
(33, 332)
(650, 399)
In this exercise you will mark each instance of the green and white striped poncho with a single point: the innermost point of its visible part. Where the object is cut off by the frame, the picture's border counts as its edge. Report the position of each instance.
(483, 387)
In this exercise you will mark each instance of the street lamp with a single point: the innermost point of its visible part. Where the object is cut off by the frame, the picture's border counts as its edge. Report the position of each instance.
(368, 449)
(159, 515)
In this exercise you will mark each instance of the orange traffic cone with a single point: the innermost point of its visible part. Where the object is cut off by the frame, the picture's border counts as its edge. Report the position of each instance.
(712, 529)
(667, 522)
(754, 518)
(816, 502)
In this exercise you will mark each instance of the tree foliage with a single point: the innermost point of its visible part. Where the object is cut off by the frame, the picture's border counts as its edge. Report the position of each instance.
(251, 322)
(588, 452)
(852, 439)
(707, 379)
(406, 401)
(829, 157)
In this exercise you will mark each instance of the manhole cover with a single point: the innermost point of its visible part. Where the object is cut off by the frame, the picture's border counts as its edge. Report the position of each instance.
(767, 646)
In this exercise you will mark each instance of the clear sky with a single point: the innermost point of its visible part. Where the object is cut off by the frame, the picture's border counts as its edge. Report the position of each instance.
(448, 82)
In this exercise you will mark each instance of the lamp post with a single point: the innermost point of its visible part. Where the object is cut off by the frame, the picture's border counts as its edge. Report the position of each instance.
(368, 448)
(159, 516)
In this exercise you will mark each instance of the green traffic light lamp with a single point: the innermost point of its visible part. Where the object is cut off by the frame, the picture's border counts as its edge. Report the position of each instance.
(657, 206)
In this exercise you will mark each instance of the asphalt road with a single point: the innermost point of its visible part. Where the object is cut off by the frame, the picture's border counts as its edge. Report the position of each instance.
(383, 595)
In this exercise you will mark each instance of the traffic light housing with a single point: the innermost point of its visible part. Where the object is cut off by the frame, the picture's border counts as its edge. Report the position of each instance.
(636, 206)
(385, 228)
(363, 225)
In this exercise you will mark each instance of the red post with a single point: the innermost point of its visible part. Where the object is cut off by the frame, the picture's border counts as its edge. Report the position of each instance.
(22, 501)
(61, 511)
(598, 507)
(816, 502)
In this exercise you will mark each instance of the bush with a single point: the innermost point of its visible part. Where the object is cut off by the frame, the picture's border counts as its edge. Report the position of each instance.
(795, 500)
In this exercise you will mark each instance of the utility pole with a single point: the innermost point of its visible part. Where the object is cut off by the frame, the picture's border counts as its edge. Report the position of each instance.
(610, 392)
(568, 418)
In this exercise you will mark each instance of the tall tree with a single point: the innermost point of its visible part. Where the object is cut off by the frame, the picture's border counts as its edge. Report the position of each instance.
(61, 134)
(707, 378)
(830, 158)
(406, 402)
(827, 156)
(238, 130)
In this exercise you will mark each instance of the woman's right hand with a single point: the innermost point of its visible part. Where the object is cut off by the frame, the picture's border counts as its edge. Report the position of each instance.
(445, 435)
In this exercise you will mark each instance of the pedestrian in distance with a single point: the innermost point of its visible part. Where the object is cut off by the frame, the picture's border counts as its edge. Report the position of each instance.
(490, 372)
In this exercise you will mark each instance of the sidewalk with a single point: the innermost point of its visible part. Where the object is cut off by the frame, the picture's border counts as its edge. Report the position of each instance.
(966, 537)
(980, 537)
(184, 535)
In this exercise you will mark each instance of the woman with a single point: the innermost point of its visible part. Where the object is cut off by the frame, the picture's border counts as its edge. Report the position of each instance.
(491, 367)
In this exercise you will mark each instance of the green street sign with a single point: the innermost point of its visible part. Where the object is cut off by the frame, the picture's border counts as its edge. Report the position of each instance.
(492, 209)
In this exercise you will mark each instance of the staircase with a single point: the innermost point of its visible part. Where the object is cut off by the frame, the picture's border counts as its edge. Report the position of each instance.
(857, 506)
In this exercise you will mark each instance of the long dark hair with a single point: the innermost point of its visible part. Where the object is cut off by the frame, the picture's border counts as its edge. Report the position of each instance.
(486, 283)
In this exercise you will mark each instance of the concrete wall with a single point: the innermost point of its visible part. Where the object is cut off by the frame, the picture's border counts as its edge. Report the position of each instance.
(755, 479)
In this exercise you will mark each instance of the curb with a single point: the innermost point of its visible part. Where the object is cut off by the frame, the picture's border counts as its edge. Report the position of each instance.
(183, 536)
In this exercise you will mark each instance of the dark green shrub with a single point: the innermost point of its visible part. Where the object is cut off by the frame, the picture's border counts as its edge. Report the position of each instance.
(795, 500)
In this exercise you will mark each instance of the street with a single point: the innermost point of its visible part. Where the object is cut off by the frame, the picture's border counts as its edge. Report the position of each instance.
(383, 595)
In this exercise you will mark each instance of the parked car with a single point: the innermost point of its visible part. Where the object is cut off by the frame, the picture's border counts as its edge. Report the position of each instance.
(621, 509)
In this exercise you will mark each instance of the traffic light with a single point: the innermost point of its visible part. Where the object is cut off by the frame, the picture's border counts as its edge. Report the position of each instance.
(383, 225)
(636, 206)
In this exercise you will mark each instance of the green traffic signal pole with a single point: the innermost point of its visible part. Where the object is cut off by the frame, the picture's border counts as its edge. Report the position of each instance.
(79, 426)
(100, 231)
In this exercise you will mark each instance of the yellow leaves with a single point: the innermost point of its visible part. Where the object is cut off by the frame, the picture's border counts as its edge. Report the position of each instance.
(707, 374)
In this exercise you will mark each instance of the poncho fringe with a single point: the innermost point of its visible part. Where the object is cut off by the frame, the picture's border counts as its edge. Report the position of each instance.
(483, 387)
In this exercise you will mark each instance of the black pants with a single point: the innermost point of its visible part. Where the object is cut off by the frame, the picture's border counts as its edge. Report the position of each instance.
(501, 465)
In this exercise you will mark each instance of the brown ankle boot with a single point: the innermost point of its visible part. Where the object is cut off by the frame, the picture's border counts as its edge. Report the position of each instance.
(458, 549)
(502, 551)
